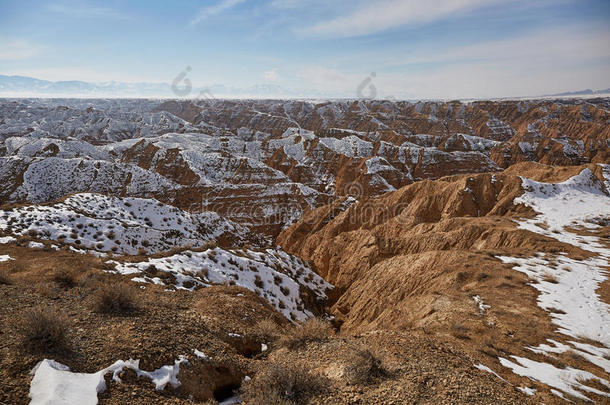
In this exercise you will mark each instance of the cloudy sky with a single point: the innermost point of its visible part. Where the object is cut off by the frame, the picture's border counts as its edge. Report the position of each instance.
(346, 48)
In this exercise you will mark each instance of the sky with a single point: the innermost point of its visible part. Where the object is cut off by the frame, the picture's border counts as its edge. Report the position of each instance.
(343, 48)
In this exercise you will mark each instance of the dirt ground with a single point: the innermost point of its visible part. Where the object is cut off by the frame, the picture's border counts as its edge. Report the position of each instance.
(419, 368)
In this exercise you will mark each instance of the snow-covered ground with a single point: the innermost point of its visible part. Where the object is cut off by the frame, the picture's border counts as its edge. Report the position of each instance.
(118, 225)
(273, 274)
(568, 286)
(569, 380)
(5, 258)
(55, 384)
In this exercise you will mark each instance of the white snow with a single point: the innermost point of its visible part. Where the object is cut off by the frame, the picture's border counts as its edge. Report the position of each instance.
(273, 274)
(568, 380)
(580, 201)
(7, 239)
(596, 355)
(567, 286)
(200, 354)
(482, 306)
(472, 142)
(570, 286)
(483, 367)
(5, 258)
(55, 384)
(527, 391)
(35, 245)
(121, 225)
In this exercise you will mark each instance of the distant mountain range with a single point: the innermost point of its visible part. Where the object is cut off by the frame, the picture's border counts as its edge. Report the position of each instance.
(587, 92)
(23, 86)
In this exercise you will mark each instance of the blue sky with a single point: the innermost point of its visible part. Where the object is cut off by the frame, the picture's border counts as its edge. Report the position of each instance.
(416, 48)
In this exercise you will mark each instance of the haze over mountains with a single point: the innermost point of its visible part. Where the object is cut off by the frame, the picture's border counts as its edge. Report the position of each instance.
(23, 86)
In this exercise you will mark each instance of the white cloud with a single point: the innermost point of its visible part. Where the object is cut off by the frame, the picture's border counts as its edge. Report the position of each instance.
(331, 80)
(271, 75)
(555, 46)
(384, 14)
(14, 49)
(543, 62)
(215, 9)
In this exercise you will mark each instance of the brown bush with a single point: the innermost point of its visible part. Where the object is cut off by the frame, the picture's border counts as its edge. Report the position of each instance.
(363, 367)
(550, 278)
(283, 383)
(65, 278)
(91, 278)
(268, 331)
(313, 330)
(43, 330)
(5, 277)
(116, 299)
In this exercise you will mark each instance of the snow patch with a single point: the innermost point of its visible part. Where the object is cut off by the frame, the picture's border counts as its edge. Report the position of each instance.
(568, 380)
(273, 274)
(5, 258)
(55, 384)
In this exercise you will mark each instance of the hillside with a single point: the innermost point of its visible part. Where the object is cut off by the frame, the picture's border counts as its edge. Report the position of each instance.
(514, 267)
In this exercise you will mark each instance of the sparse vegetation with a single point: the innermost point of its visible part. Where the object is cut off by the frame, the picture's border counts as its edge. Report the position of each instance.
(90, 279)
(65, 278)
(43, 330)
(363, 367)
(550, 278)
(459, 331)
(116, 299)
(268, 331)
(5, 277)
(313, 330)
(284, 383)
(258, 281)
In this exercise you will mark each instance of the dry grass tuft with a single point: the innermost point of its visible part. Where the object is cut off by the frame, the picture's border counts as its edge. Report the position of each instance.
(116, 299)
(313, 330)
(550, 278)
(459, 331)
(65, 278)
(43, 330)
(363, 367)
(91, 279)
(268, 331)
(6, 277)
(284, 384)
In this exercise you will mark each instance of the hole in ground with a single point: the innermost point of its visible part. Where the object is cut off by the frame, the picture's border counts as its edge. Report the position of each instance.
(225, 392)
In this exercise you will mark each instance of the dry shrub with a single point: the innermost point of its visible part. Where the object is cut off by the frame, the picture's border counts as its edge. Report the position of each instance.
(550, 278)
(65, 278)
(116, 299)
(313, 330)
(5, 277)
(90, 279)
(268, 331)
(459, 331)
(210, 244)
(285, 384)
(363, 367)
(43, 330)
